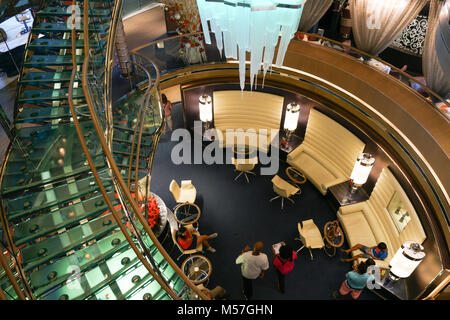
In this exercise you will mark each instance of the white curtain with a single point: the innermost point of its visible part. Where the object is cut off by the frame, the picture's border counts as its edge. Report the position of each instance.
(312, 12)
(377, 23)
(432, 70)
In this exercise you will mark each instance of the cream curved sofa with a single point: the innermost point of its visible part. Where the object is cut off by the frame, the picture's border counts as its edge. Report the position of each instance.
(369, 222)
(247, 112)
(328, 152)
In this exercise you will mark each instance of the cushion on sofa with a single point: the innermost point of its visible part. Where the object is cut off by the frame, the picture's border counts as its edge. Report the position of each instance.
(313, 169)
(331, 151)
(357, 229)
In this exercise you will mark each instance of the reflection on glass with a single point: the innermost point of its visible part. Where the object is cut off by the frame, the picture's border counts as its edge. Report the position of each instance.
(398, 212)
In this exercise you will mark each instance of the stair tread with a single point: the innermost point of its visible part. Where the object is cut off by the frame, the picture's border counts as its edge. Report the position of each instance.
(45, 224)
(66, 11)
(42, 200)
(45, 43)
(59, 244)
(53, 274)
(64, 27)
(50, 113)
(49, 94)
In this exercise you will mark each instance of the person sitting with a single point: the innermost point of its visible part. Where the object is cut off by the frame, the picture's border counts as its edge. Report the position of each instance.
(190, 241)
(379, 252)
(355, 281)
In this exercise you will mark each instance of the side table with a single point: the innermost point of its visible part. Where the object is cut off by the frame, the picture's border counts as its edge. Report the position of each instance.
(340, 195)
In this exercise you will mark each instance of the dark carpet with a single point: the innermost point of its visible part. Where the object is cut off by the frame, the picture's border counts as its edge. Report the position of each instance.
(241, 214)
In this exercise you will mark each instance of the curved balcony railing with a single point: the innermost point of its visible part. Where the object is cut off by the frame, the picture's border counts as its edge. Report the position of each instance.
(176, 53)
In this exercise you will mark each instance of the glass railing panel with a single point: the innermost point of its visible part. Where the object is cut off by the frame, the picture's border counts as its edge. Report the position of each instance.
(176, 53)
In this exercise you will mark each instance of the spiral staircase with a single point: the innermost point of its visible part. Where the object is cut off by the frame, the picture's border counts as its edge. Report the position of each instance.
(70, 224)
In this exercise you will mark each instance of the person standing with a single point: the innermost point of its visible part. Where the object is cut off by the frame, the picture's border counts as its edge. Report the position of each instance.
(167, 105)
(284, 263)
(253, 265)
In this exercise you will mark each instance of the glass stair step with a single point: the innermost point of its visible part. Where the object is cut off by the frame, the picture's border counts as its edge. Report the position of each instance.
(49, 27)
(43, 43)
(124, 286)
(65, 12)
(40, 61)
(38, 78)
(63, 157)
(30, 203)
(124, 162)
(125, 149)
(16, 182)
(50, 113)
(30, 96)
(127, 137)
(54, 274)
(48, 223)
(58, 245)
(96, 279)
(130, 129)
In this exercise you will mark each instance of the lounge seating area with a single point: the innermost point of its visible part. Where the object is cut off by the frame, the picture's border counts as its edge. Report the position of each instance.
(369, 223)
(236, 110)
(328, 152)
(323, 160)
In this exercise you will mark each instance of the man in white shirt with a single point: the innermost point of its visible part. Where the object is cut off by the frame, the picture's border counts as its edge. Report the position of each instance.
(253, 265)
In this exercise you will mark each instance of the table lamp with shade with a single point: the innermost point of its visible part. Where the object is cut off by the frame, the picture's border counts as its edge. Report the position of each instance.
(361, 170)
(205, 109)
(406, 260)
(291, 118)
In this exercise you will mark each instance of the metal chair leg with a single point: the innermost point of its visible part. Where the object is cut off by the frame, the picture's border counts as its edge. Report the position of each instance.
(238, 175)
(274, 198)
(310, 253)
(301, 248)
(246, 177)
(291, 200)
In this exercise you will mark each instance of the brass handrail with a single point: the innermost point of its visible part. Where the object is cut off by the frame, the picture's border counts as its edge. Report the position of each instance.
(10, 276)
(7, 231)
(94, 170)
(110, 158)
(406, 75)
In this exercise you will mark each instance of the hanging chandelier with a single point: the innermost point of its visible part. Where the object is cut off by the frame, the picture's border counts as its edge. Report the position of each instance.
(254, 26)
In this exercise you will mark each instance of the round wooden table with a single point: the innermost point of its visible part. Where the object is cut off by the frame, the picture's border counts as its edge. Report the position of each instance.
(187, 213)
(334, 237)
(295, 175)
(197, 268)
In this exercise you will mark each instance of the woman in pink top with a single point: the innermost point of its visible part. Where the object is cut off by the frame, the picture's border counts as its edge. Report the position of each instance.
(167, 105)
(284, 263)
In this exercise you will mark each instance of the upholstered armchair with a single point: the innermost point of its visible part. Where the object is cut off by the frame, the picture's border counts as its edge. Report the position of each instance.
(244, 166)
(185, 193)
(310, 236)
(283, 189)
